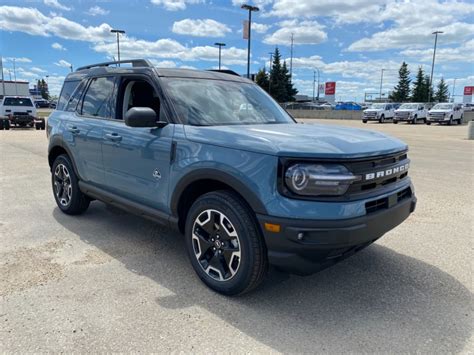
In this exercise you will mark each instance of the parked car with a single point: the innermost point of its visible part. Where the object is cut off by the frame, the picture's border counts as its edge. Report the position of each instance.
(42, 103)
(245, 190)
(468, 107)
(445, 113)
(53, 104)
(379, 112)
(351, 106)
(19, 111)
(411, 112)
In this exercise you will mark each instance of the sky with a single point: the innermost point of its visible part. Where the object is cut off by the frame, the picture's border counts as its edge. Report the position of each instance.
(347, 41)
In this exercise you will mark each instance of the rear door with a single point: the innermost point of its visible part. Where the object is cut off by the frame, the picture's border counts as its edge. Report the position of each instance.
(85, 127)
(137, 160)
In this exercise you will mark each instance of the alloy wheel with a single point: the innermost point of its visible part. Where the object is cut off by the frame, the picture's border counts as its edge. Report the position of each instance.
(62, 185)
(216, 245)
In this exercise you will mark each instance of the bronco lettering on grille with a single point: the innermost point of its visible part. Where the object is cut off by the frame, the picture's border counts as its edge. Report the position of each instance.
(387, 172)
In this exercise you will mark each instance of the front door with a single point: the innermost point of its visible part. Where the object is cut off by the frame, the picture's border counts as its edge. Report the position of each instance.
(136, 160)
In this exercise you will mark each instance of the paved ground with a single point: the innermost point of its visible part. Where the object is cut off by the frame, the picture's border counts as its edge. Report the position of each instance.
(109, 281)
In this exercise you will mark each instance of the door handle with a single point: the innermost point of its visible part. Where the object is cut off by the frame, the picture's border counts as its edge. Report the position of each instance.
(73, 129)
(114, 137)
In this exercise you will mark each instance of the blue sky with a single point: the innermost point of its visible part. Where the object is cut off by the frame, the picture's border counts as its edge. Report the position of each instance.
(348, 41)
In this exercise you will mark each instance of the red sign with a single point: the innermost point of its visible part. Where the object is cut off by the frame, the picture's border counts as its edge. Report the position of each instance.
(330, 88)
(468, 90)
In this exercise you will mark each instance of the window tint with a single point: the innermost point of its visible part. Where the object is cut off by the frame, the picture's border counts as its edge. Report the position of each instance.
(74, 99)
(66, 92)
(98, 100)
(17, 101)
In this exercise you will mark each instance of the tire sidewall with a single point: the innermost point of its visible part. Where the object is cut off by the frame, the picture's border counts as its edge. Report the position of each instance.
(247, 258)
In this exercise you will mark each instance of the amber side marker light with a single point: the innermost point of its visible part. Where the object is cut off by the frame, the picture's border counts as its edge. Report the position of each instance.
(275, 228)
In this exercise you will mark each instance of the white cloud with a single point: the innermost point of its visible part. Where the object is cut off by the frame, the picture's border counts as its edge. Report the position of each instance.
(56, 5)
(200, 28)
(63, 63)
(32, 21)
(37, 70)
(304, 32)
(97, 11)
(58, 46)
(175, 5)
(463, 53)
(17, 59)
(164, 64)
(259, 27)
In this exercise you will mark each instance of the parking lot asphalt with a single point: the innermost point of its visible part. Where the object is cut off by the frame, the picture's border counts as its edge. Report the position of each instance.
(110, 281)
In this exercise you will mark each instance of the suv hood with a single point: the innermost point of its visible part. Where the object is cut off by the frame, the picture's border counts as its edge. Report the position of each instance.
(406, 110)
(374, 110)
(298, 140)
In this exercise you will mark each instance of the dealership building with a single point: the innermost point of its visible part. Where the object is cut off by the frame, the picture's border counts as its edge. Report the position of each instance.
(14, 88)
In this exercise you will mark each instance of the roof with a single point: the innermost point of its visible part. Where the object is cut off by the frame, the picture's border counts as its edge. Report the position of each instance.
(144, 66)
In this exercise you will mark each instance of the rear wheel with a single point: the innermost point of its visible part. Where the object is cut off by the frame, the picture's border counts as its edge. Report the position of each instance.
(6, 124)
(67, 194)
(2, 125)
(224, 243)
(382, 119)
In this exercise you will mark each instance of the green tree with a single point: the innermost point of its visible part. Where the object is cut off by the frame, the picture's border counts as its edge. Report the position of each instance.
(418, 91)
(43, 89)
(442, 92)
(401, 92)
(282, 89)
(428, 88)
(262, 79)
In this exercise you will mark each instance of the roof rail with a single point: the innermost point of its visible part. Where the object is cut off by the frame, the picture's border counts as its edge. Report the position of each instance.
(225, 71)
(134, 62)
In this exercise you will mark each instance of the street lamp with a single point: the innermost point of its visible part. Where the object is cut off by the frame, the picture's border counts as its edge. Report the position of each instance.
(432, 65)
(118, 32)
(250, 10)
(314, 82)
(47, 83)
(220, 45)
(454, 88)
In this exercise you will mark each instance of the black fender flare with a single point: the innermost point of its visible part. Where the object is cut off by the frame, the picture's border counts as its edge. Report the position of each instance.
(59, 142)
(213, 174)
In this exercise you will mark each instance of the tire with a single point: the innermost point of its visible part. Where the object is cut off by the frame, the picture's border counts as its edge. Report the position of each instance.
(69, 198)
(245, 265)
(382, 119)
(2, 123)
(6, 124)
(42, 125)
(414, 120)
(364, 121)
(428, 123)
(460, 119)
(37, 126)
(450, 122)
(395, 121)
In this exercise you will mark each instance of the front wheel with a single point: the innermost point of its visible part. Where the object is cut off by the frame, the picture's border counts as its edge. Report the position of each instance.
(450, 122)
(364, 121)
(382, 119)
(460, 119)
(67, 194)
(224, 243)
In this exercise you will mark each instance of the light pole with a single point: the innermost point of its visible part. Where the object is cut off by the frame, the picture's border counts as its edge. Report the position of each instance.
(250, 10)
(454, 88)
(118, 32)
(3, 78)
(14, 75)
(220, 45)
(432, 65)
(314, 78)
(381, 81)
(47, 84)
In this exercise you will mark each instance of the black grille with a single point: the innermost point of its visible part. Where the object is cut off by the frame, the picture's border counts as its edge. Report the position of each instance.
(20, 113)
(377, 205)
(387, 202)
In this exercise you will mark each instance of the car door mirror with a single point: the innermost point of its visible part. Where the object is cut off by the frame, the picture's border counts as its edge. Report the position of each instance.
(143, 117)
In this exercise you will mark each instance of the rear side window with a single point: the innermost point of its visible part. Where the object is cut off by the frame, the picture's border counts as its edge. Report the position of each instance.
(66, 92)
(99, 99)
(17, 101)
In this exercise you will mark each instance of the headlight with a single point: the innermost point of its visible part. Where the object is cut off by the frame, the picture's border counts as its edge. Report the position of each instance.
(319, 179)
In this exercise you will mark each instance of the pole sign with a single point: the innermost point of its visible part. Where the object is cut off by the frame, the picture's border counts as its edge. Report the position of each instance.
(330, 88)
(245, 29)
(468, 92)
(321, 88)
(330, 91)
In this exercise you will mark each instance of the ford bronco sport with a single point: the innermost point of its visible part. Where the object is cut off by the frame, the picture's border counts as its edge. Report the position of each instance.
(212, 155)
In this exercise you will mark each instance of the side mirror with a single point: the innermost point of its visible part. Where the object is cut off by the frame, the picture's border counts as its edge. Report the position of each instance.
(142, 117)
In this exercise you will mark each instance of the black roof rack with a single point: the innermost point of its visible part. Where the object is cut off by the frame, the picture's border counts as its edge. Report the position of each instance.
(225, 71)
(134, 62)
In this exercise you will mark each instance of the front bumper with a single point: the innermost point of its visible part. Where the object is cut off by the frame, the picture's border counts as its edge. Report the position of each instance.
(326, 242)
(370, 118)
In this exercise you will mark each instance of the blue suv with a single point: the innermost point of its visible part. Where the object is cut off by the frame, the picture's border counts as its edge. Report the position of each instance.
(213, 156)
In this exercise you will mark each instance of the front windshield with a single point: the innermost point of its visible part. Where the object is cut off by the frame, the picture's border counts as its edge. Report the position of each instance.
(408, 107)
(206, 102)
(378, 106)
(443, 107)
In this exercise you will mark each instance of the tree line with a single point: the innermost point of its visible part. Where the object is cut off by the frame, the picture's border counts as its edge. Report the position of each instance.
(277, 82)
(418, 91)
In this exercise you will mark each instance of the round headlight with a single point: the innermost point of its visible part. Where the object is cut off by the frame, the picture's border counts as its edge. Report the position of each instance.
(297, 175)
